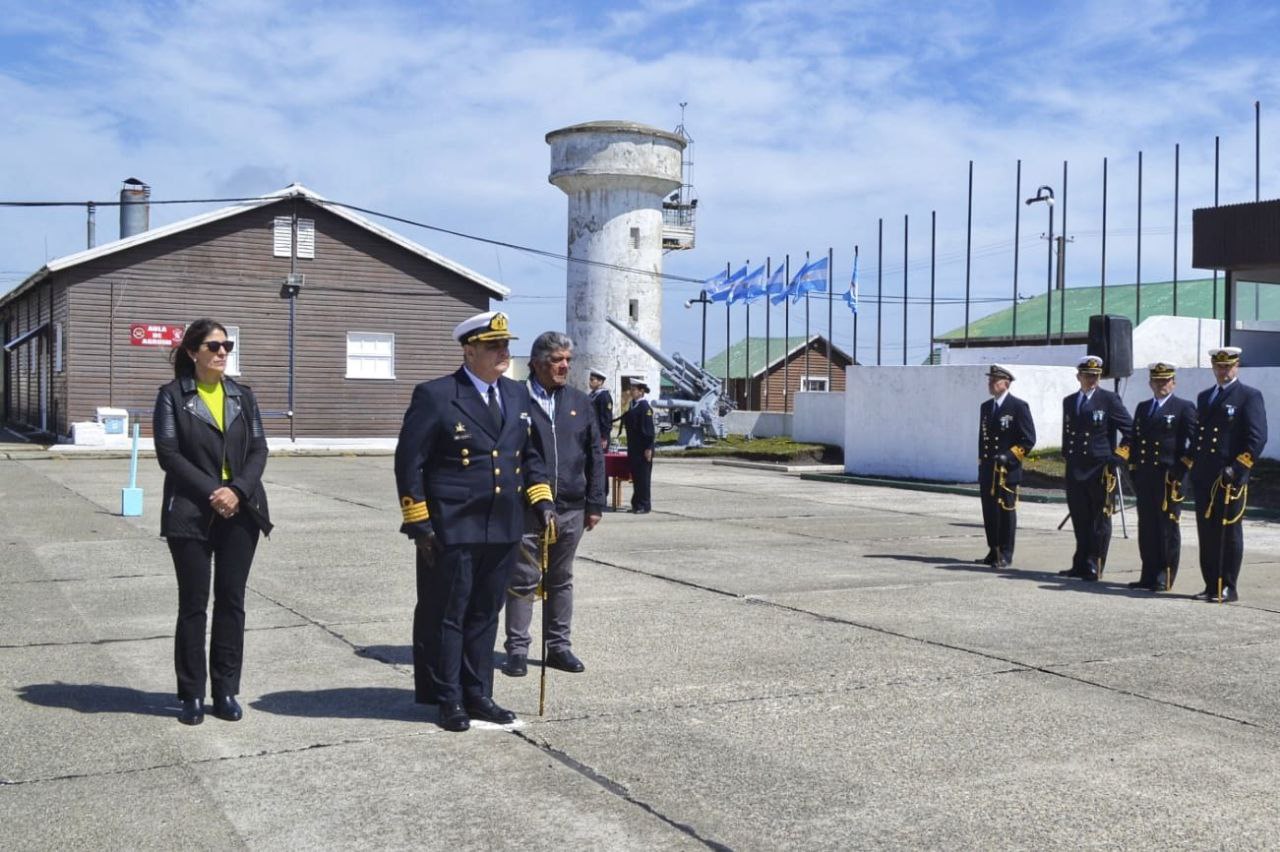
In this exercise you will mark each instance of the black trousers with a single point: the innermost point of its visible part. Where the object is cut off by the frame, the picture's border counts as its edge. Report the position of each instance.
(1159, 539)
(1000, 524)
(1087, 503)
(641, 475)
(455, 622)
(227, 555)
(1218, 541)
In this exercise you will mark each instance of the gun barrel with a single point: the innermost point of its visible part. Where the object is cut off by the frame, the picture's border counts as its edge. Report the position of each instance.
(653, 352)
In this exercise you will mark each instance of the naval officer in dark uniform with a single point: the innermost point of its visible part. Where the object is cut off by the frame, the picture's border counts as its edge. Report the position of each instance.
(1091, 419)
(1006, 434)
(1163, 427)
(1232, 432)
(466, 467)
(602, 405)
(638, 421)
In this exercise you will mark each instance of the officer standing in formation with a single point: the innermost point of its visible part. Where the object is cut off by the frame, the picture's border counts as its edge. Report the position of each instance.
(1232, 432)
(1006, 434)
(1163, 428)
(569, 433)
(602, 404)
(638, 421)
(1090, 420)
(466, 465)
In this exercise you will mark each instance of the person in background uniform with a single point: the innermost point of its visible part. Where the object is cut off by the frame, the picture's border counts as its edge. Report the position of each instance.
(1232, 432)
(602, 404)
(568, 430)
(466, 465)
(1090, 420)
(210, 442)
(1163, 427)
(1006, 434)
(638, 421)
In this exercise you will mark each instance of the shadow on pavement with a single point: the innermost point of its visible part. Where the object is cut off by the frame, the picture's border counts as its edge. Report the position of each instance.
(395, 655)
(369, 702)
(99, 698)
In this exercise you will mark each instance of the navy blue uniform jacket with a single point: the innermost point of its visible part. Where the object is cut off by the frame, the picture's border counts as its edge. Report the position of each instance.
(1009, 430)
(602, 403)
(457, 474)
(638, 421)
(1232, 432)
(1089, 437)
(1159, 443)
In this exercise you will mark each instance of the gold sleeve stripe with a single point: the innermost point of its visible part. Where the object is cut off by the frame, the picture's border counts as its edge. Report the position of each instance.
(539, 492)
(1245, 459)
(1123, 451)
(413, 512)
(1019, 452)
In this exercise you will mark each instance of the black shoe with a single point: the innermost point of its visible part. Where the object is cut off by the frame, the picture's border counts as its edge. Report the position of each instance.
(1144, 585)
(989, 559)
(454, 718)
(1206, 595)
(1089, 577)
(192, 711)
(226, 708)
(486, 710)
(565, 661)
(1071, 572)
(517, 665)
(1229, 594)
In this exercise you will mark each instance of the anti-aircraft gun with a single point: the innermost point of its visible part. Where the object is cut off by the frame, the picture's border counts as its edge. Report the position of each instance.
(699, 411)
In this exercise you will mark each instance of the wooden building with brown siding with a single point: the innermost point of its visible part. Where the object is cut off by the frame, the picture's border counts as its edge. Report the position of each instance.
(373, 317)
(779, 370)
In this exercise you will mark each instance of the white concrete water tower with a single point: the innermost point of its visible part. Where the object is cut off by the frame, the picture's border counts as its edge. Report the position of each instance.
(616, 174)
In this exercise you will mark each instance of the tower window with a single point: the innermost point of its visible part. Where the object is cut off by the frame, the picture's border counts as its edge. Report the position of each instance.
(633, 310)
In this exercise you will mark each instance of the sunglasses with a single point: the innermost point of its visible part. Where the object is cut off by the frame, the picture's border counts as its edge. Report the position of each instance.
(214, 345)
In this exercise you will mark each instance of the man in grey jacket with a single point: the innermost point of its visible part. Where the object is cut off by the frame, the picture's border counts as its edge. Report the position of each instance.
(569, 432)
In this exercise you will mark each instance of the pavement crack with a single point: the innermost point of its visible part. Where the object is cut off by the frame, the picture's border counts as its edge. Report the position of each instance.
(619, 790)
(324, 494)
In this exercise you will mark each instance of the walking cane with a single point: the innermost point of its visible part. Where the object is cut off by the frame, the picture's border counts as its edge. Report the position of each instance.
(546, 539)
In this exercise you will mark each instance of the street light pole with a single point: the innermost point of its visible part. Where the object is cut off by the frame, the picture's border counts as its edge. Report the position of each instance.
(704, 301)
(1045, 194)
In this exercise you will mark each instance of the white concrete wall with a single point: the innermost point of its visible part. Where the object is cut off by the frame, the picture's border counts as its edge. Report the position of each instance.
(820, 418)
(615, 174)
(1184, 340)
(758, 424)
(922, 422)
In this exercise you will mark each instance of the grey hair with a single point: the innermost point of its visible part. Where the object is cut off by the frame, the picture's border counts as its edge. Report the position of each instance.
(548, 343)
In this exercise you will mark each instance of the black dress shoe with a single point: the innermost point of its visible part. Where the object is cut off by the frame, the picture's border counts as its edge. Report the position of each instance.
(1229, 594)
(192, 711)
(1088, 576)
(517, 665)
(226, 708)
(989, 559)
(565, 661)
(488, 711)
(1206, 595)
(454, 718)
(1144, 585)
(1071, 572)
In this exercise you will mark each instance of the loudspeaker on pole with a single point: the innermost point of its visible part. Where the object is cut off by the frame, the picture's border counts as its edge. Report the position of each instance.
(1111, 339)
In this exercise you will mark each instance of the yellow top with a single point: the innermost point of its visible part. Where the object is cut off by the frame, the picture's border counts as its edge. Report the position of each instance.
(214, 400)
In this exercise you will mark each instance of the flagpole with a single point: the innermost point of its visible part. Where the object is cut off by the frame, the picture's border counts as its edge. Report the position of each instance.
(830, 313)
(786, 336)
(728, 274)
(905, 232)
(768, 275)
(933, 274)
(853, 285)
(805, 378)
(1017, 226)
(746, 376)
(879, 285)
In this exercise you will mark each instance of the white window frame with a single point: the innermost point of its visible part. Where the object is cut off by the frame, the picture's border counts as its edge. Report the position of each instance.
(57, 347)
(233, 359)
(810, 384)
(371, 358)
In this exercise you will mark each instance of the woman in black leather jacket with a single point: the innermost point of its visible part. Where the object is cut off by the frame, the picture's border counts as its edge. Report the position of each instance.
(210, 442)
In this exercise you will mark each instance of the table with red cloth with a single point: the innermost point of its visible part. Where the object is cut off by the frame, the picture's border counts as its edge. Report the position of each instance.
(617, 469)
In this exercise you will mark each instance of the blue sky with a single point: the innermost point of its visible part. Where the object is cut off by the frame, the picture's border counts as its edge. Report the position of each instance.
(810, 121)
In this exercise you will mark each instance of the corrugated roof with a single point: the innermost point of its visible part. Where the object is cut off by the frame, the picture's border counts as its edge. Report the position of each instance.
(295, 190)
(778, 347)
(1195, 299)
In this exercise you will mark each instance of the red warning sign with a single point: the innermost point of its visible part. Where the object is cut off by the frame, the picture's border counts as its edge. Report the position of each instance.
(152, 334)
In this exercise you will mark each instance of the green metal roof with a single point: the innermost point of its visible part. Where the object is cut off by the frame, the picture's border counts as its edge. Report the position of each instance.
(778, 346)
(1195, 299)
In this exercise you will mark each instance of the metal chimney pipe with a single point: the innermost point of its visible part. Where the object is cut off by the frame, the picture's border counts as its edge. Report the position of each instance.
(135, 209)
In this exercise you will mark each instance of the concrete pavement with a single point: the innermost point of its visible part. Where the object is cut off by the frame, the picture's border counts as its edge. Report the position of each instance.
(771, 663)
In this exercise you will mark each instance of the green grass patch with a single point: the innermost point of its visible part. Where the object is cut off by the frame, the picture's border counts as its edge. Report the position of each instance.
(781, 450)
